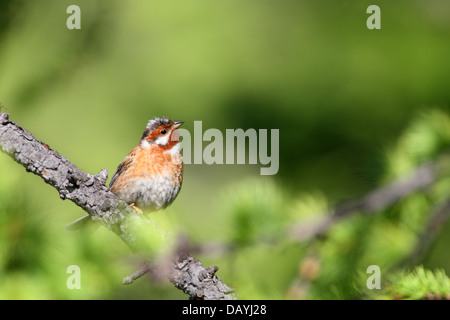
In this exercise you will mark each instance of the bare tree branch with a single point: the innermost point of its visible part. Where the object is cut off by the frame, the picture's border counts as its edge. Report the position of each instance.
(91, 194)
(420, 179)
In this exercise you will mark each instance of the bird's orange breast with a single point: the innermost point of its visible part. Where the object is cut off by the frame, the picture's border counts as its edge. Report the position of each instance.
(149, 175)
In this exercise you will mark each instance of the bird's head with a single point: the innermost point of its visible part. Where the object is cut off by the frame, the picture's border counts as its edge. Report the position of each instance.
(161, 132)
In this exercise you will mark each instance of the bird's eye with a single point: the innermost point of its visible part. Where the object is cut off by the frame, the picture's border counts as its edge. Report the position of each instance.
(164, 131)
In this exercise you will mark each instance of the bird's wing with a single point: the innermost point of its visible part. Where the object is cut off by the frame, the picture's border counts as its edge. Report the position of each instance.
(123, 166)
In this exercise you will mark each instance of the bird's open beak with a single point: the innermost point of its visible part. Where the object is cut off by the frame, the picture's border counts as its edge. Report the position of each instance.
(177, 124)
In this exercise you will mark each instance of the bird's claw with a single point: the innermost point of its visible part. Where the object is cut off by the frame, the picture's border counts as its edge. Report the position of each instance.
(136, 208)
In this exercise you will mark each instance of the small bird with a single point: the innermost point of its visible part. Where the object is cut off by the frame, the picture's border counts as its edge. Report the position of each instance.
(151, 175)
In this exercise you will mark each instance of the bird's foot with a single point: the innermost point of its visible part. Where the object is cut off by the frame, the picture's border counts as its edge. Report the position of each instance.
(136, 208)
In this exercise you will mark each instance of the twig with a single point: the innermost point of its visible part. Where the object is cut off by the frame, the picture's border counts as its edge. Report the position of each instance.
(137, 274)
(440, 215)
(91, 194)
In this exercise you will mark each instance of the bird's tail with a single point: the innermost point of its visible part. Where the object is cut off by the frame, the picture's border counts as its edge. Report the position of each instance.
(79, 223)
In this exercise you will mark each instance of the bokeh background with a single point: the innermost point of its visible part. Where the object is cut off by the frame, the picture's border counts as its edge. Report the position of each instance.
(356, 108)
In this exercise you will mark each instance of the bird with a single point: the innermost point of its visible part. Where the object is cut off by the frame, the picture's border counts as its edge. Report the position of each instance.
(151, 175)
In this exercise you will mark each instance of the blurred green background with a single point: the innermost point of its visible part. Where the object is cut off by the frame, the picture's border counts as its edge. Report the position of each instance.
(355, 107)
